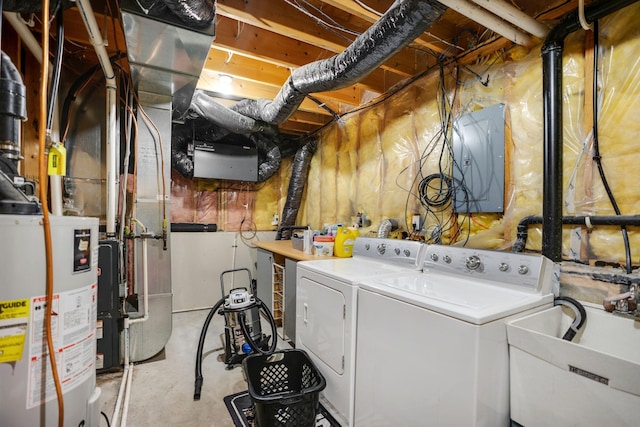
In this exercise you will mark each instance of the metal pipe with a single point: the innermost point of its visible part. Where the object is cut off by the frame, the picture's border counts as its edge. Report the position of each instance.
(552, 107)
(489, 20)
(111, 131)
(515, 16)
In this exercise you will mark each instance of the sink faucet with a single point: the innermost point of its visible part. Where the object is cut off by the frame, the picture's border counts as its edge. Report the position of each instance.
(625, 303)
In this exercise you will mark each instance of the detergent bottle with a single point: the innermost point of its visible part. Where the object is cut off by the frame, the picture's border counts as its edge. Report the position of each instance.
(344, 241)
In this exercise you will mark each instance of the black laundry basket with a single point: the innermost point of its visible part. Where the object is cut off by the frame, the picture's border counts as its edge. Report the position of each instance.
(284, 388)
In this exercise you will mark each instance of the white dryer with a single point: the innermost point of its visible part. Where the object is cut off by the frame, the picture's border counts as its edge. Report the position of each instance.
(432, 345)
(326, 303)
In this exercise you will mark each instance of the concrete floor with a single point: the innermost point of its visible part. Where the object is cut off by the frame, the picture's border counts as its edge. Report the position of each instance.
(162, 388)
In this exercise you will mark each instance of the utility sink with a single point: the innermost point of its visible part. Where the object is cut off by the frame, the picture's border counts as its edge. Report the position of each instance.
(593, 380)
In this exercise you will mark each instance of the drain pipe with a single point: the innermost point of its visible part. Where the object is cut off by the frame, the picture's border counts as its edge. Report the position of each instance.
(552, 106)
(588, 221)
(111, 131)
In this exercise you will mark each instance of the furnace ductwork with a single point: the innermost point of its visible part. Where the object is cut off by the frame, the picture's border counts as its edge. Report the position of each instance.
(402, 23)
(299, 173)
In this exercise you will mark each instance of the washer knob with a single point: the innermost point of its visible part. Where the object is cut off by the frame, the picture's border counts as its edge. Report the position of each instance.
(397, 251)
(434, 257)
(503, 267)
(447, 259)
(523, 269)
(382, 249)
(473, 262)
(367, 246)
(407, 253)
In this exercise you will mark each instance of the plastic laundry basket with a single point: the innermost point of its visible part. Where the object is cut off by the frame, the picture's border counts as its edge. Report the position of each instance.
(284, 388)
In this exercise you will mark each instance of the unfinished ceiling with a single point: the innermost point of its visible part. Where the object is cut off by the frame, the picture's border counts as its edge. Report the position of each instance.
(258, 43)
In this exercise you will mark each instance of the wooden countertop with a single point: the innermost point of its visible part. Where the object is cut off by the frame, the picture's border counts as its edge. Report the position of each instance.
(284, 248)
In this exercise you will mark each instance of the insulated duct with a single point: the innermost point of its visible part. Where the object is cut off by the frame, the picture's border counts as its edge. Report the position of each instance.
(299, 174)
(552, 106)
(398, 27)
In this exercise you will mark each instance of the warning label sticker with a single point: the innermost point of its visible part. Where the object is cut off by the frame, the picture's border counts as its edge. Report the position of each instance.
(73, 328)
(14, 317)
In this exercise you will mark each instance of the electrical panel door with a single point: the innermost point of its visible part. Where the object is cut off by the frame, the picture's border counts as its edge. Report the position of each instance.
(478, 153)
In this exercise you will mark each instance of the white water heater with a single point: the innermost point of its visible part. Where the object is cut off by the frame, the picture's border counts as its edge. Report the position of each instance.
(27, 390)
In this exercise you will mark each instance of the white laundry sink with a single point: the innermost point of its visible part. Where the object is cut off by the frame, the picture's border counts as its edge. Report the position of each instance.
(593, 380)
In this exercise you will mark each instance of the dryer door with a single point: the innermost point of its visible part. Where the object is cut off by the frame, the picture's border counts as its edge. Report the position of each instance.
(320, 326)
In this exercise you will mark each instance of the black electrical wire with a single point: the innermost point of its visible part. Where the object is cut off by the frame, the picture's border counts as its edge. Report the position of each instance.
(106, 418)
(596, 149)
(57, 69)
(324, 106)
(435, 195)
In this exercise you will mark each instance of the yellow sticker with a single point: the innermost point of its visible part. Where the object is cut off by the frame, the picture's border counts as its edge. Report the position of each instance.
(57, 160)
(14, 318)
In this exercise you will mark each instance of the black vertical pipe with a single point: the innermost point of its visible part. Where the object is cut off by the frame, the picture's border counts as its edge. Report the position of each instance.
(552, 108)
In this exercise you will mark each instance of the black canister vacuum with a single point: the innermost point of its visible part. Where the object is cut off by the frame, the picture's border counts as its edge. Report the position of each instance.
(242, 332)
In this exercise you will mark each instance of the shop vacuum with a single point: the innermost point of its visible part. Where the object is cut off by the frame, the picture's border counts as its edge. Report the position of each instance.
(242, 332)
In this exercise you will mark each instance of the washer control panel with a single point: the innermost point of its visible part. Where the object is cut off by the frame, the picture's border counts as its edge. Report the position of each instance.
(524, 271)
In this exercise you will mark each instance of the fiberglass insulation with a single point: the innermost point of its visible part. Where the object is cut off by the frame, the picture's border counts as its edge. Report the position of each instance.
(371, 161)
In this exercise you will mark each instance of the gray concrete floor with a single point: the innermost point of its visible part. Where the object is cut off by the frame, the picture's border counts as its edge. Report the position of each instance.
(162, 389)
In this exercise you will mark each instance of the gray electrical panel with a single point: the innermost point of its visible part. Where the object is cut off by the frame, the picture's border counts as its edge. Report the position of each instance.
(478, 153)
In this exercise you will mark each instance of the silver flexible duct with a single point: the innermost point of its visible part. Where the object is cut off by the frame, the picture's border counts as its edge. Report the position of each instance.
(206, 107)
(400, 25)
(299, 174)
(386, 226)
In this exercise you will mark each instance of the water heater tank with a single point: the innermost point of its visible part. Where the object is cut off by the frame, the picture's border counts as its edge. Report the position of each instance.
(27, 390)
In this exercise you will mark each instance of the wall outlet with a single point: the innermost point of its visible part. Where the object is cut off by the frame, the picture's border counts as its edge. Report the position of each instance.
(416, 223)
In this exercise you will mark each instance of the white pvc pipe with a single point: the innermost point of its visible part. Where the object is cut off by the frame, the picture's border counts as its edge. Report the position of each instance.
(515, 16)
(98, 44)
(489, 20)
(125, 411)
(25, 34)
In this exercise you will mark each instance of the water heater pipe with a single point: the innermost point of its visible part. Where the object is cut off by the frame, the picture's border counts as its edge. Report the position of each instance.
(98, 44)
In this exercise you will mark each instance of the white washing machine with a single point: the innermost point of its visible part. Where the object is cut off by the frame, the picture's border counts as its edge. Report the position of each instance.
(326, 302)
(432, 345)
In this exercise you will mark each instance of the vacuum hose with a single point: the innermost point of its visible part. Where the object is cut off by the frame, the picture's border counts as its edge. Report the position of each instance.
(580, 315)
(203, 334)
(247, 334)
